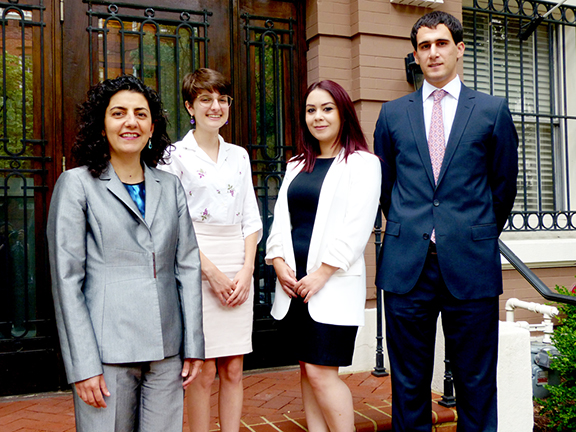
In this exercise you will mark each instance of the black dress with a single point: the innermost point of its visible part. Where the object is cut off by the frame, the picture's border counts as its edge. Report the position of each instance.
(313, 342)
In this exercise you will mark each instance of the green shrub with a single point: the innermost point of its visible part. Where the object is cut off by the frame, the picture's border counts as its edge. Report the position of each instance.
(560, 406)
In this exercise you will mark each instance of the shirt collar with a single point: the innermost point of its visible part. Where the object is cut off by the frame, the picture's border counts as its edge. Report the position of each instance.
(452, 88)
(189, 142)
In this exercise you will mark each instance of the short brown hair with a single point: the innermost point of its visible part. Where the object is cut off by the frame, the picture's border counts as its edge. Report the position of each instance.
(432, 20)
(204, 79)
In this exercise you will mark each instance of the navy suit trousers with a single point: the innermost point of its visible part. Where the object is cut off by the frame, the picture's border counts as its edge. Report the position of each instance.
(471, 334)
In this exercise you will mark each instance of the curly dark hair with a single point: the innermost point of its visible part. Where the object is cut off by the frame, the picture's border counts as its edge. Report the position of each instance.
(91, 146)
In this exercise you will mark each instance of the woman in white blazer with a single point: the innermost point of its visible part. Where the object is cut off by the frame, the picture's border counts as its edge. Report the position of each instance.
(125, 266)
(323, 218)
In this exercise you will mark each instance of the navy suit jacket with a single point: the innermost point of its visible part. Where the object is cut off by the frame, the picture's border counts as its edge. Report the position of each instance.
(468, 207)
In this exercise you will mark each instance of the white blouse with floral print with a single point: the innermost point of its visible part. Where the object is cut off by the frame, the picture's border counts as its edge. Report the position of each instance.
(218, 192)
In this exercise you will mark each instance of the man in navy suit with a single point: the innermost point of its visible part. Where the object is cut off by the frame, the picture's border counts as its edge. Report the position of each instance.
(449, 166)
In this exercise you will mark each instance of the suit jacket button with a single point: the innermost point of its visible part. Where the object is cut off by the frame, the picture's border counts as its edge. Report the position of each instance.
(436, 203)
(426, 236)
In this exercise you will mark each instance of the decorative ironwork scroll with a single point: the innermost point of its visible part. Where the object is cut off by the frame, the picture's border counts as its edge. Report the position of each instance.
(23, 180)
(158, 45)
(270, 58)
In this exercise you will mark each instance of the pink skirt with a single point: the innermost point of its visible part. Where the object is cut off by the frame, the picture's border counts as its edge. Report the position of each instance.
(227, 330)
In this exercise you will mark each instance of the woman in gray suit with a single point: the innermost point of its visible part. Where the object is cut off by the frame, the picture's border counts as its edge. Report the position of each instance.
(125, 268)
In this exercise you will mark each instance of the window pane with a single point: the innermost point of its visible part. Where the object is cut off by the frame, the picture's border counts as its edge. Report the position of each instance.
(498, 63)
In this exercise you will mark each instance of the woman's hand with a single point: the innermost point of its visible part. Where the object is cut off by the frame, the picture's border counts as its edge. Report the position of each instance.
(243, 279)
(190, 370)
(242, 285)
(221, 284)
(314, 282)
(285, 275)
(92, 391)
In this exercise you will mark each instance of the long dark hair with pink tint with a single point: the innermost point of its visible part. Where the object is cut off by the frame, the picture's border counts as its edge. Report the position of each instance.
(350, 136)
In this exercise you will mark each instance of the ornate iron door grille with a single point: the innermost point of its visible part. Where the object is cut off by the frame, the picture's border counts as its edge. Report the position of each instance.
(26, 325)
(159, 45)
(270, 59)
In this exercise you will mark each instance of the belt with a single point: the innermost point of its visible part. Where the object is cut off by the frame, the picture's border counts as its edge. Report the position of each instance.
(432, 248)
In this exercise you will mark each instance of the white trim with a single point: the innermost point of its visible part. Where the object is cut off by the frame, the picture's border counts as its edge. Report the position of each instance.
(543, 252)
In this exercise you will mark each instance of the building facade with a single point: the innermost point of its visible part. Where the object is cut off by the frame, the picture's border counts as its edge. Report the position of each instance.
(53, 50)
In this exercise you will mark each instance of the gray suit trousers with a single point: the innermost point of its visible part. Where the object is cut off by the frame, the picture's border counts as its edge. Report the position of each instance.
(145, 397)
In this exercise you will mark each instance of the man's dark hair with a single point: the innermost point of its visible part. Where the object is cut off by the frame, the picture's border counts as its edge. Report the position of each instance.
(432, 19)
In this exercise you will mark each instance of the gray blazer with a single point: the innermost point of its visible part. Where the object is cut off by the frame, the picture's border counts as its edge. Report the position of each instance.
(126, 289)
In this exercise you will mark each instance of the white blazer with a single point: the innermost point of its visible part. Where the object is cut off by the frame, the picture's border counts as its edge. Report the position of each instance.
(344, 221)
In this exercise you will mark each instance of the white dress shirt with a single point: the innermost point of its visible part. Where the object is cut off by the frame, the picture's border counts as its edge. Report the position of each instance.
(217, 192)
(449, 104)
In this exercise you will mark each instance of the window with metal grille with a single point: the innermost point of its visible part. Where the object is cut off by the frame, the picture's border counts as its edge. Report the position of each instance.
(533, 75)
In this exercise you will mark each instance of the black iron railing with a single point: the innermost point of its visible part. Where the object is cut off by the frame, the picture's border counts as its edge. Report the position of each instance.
(532, 279)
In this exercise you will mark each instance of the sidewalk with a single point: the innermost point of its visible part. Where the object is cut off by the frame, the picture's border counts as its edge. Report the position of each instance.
(272, 403)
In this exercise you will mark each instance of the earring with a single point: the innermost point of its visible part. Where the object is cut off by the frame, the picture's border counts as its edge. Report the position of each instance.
(150, 143)
(192, 121)
(226, 122)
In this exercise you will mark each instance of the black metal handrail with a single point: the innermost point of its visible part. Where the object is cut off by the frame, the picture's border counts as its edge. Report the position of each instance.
(532, 279)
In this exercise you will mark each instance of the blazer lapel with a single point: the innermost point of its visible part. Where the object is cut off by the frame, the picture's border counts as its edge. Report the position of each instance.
(464, 110)
(416, 116)
(327, 195)
(153, 193)
(118, 189)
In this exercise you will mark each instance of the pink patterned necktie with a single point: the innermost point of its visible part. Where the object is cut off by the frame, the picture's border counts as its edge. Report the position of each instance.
(436, 134)
(436, 139)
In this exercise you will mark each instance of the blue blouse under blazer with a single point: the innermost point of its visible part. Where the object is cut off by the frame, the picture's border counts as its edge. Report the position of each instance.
(345, 218)
(126, 288)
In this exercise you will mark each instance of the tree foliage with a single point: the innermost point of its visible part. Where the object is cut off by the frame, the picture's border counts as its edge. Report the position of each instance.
(14, 126)
(560, 406)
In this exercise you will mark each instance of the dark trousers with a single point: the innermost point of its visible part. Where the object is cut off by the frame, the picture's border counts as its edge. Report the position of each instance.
(471, 334)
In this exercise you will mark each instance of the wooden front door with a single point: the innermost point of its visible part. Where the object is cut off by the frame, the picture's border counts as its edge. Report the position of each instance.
(260, 45)
(52, 51)
(28, 132)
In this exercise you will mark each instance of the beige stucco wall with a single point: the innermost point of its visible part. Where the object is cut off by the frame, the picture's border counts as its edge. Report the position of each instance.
(361, 44)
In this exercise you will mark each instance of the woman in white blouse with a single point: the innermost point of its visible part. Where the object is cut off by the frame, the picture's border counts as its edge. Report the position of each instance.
(217, 180)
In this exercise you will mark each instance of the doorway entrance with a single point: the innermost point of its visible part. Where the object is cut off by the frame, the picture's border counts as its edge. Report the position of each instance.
(52, 52)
